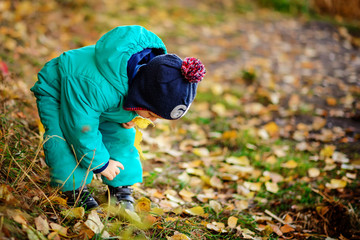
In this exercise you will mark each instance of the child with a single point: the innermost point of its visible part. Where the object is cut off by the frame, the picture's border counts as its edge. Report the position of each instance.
(87, 99)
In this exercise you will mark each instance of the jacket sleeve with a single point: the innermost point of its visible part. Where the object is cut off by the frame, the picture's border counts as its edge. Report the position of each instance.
(81, 104)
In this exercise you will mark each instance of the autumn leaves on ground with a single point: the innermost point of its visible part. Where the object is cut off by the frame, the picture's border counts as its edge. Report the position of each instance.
(269, 150)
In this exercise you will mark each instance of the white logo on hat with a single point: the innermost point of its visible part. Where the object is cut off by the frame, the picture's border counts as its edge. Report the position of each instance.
(179, 111)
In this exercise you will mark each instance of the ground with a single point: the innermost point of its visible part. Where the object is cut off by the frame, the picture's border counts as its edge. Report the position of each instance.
(269, 150)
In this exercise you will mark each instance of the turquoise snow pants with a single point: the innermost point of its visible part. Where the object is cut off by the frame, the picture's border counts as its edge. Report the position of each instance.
(65, 170)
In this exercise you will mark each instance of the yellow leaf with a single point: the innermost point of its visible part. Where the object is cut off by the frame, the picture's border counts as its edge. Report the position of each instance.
(143, 205)
(58, 200)
(186, 195)
(327, 151)
(178, 236)
(41, 128)
(272, 128)
(253, 186)
(313, 172)
(201, 152)
(232, 222)
(142, 122)
(243, 160)
(138, 139)
(157, 211)
(72, 213)
(272, 187)
(195, 211)
(290, 164)
(336, 183)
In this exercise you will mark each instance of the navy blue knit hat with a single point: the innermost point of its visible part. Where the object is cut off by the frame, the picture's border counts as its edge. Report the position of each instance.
(165, 86)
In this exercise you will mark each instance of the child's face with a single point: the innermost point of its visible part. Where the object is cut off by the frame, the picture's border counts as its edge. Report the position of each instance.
(147, 114)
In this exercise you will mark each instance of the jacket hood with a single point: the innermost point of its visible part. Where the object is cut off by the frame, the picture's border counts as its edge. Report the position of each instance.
(114, 49)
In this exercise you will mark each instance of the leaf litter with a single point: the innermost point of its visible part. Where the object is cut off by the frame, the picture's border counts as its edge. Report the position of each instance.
(276, 156)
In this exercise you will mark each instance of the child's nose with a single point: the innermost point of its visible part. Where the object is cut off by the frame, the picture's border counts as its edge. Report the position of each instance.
(152, 118)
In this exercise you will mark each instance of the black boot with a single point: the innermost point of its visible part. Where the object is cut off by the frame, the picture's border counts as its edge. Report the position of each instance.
(81, 197)
(123, 196)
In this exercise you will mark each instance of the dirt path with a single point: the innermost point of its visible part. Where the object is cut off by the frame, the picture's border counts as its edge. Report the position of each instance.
(309, 70)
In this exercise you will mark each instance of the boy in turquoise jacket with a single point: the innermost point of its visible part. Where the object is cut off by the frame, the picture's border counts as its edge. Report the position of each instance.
(88, 97)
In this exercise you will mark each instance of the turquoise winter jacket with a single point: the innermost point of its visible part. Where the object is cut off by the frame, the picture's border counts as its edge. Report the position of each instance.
(92, 85)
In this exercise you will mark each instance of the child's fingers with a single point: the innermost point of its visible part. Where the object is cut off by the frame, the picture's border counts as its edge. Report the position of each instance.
(119, 164)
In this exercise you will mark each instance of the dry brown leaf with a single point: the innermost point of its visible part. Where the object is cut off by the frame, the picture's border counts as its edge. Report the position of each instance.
(42, 225)
(58, 228)
(94, 223)
(276, 229)
(286, 229)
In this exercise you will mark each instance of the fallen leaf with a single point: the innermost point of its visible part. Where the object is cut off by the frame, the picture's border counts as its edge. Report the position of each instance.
(253, 186)
(272, 187)
(143, 205)
(216, 206)
(78, 213)
(186, 195)
(216, 226)
(42, 225)
(313, 172)
(241, 204)
(336, 184)
(331, 101)
(286, 229)
(232, 221)
(58, 228)
(178, 236)
(195, 211)
(216, 182)
(272, 129)
(276, 229)
(243, 160)
(95, 224)
(290, 164)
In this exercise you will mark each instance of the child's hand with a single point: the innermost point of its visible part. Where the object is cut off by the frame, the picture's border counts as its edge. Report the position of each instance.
(128, 125)
(112, 169)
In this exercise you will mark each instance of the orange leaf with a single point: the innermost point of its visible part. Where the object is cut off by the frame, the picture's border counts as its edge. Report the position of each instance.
(286, 228)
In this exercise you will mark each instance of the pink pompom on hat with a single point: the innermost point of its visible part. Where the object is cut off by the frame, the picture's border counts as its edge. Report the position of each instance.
(166, 86)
